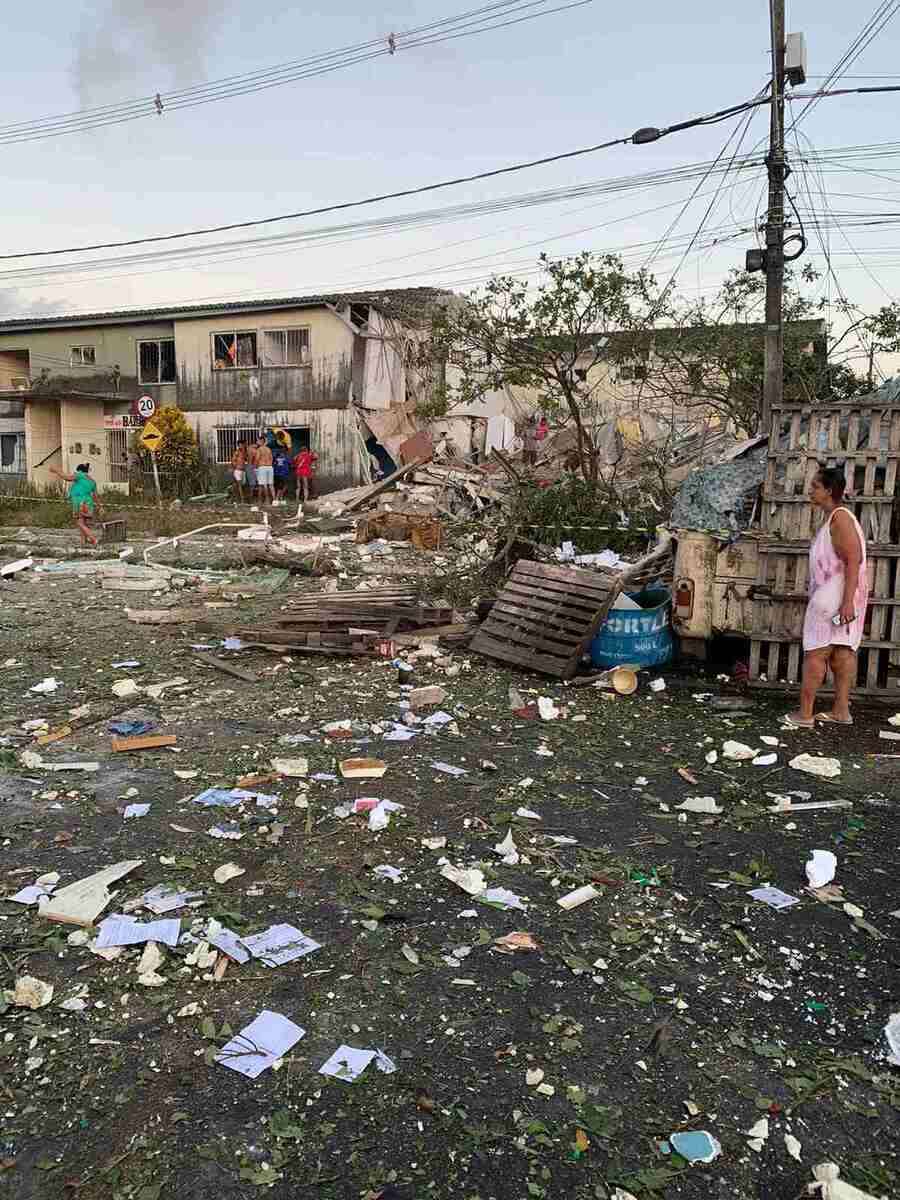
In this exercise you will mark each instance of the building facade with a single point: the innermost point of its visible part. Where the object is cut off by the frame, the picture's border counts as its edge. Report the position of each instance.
(310, 365)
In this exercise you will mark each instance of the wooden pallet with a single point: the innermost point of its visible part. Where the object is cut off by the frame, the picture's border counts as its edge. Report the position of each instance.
(544, 618)
(865, 441)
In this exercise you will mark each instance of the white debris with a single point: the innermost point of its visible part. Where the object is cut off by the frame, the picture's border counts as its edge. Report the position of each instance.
(700, 804)
(821, 868)
(31, 993)
(824, 768)
(508, 850)
(737, 751)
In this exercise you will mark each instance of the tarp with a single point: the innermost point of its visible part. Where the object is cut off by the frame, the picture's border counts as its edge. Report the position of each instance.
(720, 498)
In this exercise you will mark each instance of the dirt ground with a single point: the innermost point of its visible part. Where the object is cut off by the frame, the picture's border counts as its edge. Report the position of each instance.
(671, 1002)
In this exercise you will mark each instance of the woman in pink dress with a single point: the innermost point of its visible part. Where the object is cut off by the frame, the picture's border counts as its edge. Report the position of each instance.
(836, 612)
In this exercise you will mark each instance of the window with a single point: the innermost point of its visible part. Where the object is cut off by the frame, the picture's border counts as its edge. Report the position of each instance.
(83, 356)
(233, 350)
(630, 371)
(117, 454)
(156, 361)
(285, 347)
(12, 453)
(227, 438)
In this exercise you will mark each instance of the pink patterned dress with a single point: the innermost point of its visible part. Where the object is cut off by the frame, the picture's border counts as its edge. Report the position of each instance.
(826, 592)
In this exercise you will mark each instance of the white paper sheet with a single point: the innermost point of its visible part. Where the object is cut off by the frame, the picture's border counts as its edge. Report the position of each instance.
(279, 944)
(448, 769)
(229, 943)
(118, 931)
(347, 1063)
(162, 899)
(261, 1043)
(774, 897)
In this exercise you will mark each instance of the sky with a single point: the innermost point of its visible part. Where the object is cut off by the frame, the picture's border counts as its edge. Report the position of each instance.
(562, 81)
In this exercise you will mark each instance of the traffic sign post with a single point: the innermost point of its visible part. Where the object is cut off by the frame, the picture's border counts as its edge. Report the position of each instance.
(144, 407)
(152, 439)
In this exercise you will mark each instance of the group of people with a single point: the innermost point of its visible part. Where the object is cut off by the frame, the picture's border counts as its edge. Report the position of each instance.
(267, 466)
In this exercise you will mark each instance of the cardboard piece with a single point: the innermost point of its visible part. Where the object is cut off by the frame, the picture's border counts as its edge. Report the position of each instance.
(152, 741)
(82, 902)
(363, 768)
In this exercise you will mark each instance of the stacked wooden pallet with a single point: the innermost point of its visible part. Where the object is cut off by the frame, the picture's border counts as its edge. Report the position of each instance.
(863, 437)
(350, 622)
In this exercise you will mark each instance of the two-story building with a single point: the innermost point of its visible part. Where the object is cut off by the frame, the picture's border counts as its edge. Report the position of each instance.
(312, 365)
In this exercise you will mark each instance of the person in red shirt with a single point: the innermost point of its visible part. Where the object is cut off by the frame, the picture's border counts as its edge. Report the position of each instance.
(304, 465)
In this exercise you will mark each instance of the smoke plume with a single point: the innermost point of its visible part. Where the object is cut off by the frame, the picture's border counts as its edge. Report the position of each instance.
(129, 47)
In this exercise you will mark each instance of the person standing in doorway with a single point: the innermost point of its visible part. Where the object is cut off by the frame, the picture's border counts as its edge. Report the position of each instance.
(836, 611)
(83, 498)
(239, 467)
(252, 455)
(304, 465)
(265, 476)
(281, 465)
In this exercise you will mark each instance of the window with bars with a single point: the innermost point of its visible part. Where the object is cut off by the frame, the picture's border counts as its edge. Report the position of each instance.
(232, 351)
(227, 438)
(285, 347)
(156, 361)
(117, 454)
(82, 356)
(12, 453)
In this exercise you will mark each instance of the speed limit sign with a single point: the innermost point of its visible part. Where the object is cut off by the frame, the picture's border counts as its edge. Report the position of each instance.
(146, 407)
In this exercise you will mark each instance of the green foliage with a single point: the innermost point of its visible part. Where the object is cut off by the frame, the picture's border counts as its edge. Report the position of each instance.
(578, 510)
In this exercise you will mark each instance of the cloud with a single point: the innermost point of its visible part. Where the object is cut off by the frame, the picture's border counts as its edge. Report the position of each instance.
(13, 304)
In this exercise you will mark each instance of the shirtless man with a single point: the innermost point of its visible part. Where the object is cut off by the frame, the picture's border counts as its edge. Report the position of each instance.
(265, 475)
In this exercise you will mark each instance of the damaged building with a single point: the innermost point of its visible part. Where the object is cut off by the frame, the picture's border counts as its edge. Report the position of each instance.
(313, 366)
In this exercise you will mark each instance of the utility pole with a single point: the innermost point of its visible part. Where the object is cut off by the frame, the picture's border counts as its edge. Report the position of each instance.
(773, 376)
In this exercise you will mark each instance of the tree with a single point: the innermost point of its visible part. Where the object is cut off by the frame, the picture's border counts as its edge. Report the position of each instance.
(178, 456)
(548, 340)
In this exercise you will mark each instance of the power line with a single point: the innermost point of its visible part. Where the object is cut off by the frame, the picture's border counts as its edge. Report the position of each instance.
(466, 24)
(638, 138)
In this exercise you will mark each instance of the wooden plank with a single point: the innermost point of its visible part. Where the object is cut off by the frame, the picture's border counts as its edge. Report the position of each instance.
(576, 578)
(551, 603)
(210, 660)
(545, 664)
(378, 488)
(548, 641)
(151, 741)
(517, 614)
(793, 663)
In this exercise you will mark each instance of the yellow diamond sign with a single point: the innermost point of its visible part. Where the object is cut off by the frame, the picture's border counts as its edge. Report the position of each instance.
(151, 437)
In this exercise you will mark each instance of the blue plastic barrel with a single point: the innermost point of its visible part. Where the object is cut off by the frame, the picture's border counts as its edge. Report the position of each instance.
(628, 636)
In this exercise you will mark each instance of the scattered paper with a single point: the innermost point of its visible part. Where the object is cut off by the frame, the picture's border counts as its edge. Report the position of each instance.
(260, 1044)
(774, 897)
(657, 685)
(124, 688)
(228, 942)
(821, 868)
(511, 942)
(34, 893)
(508, 850)
(765, 760)
(46, 685)
(449, 769)
(471, 880)
(163, 899)
(279, 944)
(700, 804)
(547, 709)
(294, 768)
(122, 931)
(380, 814)
(792, 1146)
(502, 897)
(135, 810)
(348, 1063)
(528, 814)
(385, 871)
(227, 871)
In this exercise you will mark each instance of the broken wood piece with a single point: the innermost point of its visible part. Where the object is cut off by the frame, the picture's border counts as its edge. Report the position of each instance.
(151, 741)
(53, 735)
(80, 903)
(221, 665)
(363, 768)
(378, 488)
